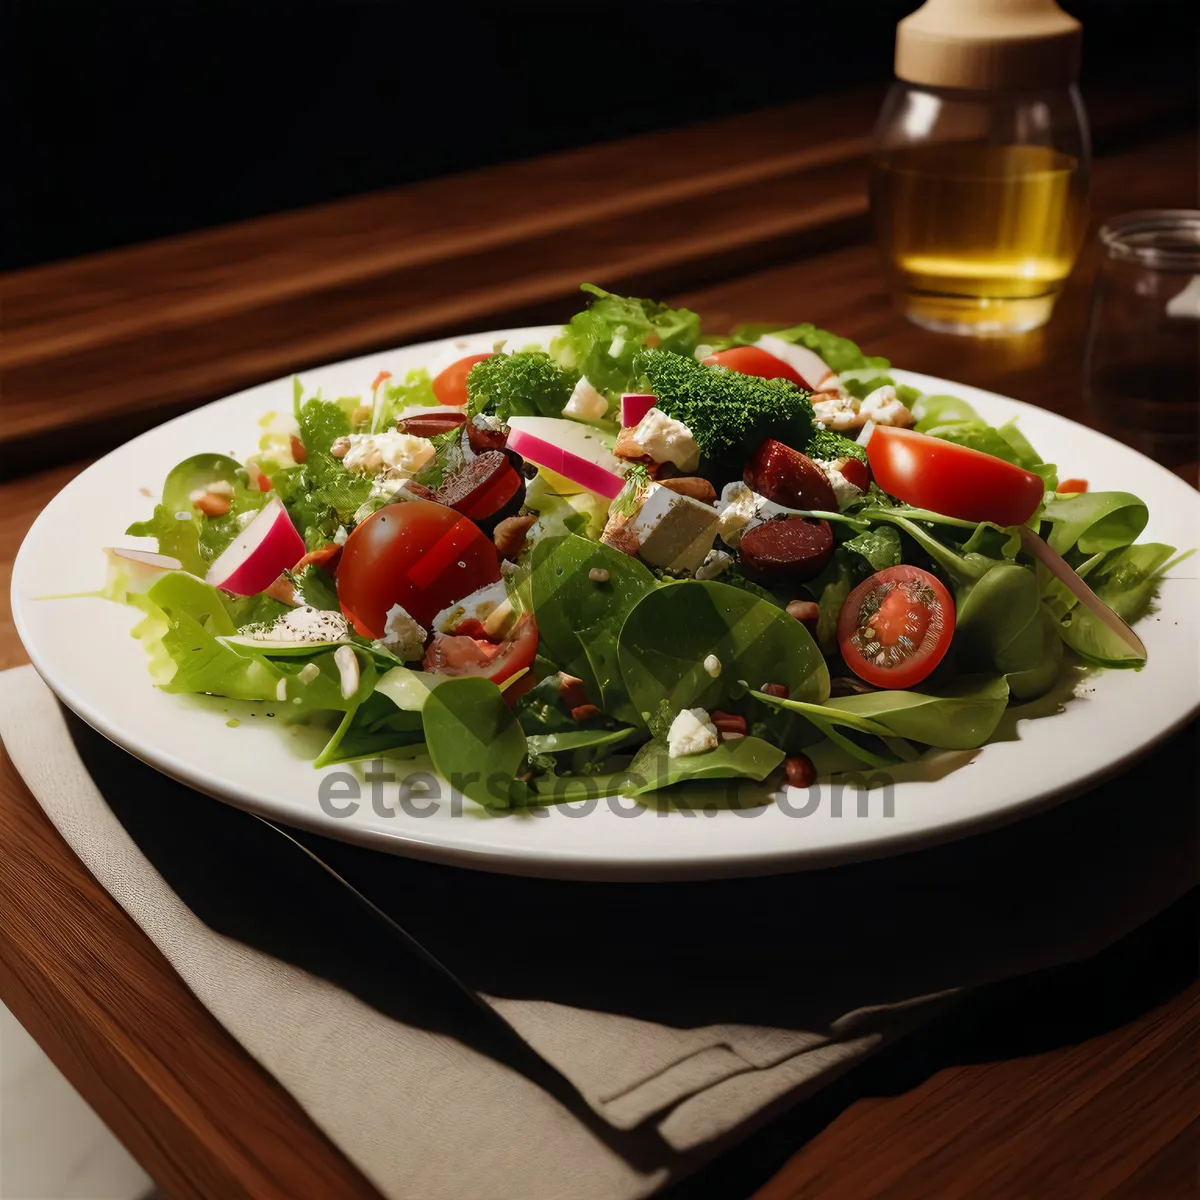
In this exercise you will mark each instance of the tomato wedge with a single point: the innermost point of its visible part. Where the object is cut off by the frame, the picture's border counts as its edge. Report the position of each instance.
(750, 360)
(953, 480)
(458, 654)
(450, 387)
(896, 627)
(418, 554)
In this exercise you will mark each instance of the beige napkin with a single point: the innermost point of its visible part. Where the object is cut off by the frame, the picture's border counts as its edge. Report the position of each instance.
(669, 1058)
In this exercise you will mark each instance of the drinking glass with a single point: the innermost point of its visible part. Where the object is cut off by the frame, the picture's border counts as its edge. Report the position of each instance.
(1142, 367)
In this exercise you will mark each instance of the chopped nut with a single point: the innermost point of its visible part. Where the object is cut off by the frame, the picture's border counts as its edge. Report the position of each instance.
(712, 665)
(693, 486)
(282, 590)
(571, 690)
(728, 723)
(340, 448)
(583, 712)
(299, 453)
(510, 535)
(799, 770)
(805, 611)
(775, 689)
(619, 536)
(598, 575)
(212, 505)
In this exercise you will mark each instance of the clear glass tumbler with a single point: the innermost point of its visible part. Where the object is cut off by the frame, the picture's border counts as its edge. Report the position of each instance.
(980, 200)
(1142, 369)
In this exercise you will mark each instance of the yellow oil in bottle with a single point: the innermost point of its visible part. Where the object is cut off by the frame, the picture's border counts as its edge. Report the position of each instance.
(979, 238)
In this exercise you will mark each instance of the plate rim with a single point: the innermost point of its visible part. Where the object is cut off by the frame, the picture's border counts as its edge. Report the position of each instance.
(571, 864)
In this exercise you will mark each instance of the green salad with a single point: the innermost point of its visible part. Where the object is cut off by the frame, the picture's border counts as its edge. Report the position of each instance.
(634, 558)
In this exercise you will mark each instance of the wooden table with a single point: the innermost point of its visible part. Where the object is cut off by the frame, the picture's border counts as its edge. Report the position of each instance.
(756, 218)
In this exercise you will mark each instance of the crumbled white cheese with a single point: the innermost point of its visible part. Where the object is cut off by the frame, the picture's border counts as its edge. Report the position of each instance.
(488, 422)
(666, 440)
(884, 407)
(346, 662)
(391, 450)
(220, 487)
(618, 342)
(340, 536)
(843, 490)
(308, 672)
(673, 531)
(478, 606)
(304, 624)
(839, 413)
(585, 403)
(714, 564)
(737, 509)
(712, 665)
(691, 733)
(281, 690)
(402, 635)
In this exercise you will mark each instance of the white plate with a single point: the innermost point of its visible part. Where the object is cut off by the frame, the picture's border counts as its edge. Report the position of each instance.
(83, 650)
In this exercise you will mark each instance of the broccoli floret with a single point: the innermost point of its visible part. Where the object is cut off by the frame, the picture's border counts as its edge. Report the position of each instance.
(527, 384)
(829, 447)
(728, 413)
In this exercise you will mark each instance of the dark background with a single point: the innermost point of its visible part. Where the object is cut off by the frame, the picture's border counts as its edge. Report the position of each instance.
(124, 121)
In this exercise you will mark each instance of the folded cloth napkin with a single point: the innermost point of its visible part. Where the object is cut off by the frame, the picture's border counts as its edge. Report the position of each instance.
(554, 1039)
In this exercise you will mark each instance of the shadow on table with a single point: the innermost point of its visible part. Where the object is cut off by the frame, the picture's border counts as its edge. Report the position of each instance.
(794, 951)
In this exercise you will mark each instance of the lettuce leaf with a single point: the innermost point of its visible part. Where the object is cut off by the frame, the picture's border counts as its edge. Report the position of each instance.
(602, 341)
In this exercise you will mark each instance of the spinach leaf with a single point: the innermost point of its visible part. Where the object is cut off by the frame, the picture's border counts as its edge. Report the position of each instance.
(1126, 580)
(670, 632)
(879, 546)
(870, 747)
(574, 613)
(743, 758)
(375, 728)
(576, 739)
(1095, 521)
(474, 740)
(961, 716)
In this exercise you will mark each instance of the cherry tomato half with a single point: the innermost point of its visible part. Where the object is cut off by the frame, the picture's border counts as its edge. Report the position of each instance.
(450, 387)
(418, 554)
(457, 654)
(896, 627)
(953, 480)
(750, 360)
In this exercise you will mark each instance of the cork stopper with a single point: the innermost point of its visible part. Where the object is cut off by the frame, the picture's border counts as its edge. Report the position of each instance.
(986, 44)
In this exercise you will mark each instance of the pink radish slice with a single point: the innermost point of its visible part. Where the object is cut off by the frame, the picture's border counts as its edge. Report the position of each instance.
(1066, 574)
(146, 558)
(634, 406)
(809, 366)
(554, 458)
(267, 546)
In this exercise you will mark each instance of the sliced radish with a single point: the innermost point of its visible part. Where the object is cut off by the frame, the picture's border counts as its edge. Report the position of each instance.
(1067, 575)
(809, 366)
(587, 474)
(267, 546)
(634, 406)
(140, 570)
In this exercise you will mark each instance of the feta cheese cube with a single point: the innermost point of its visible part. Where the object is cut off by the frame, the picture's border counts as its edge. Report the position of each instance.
(479, 606)
(391, 451)
(586, 403)
(691, 732)
(839, 413)
(844, 491)
(884, 407)
(402, 635)
(666, 440)
(737, 511)
(672, 530)
(714, 564)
